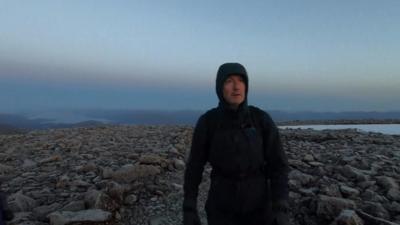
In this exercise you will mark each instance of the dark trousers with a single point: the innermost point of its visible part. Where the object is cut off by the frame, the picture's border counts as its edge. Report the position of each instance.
(3, 214)
(2, 219)
(258, 217)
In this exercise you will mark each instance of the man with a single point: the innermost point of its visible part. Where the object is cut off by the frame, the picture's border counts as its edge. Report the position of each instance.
(249, 165)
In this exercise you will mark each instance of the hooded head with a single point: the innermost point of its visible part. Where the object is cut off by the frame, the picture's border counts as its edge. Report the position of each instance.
(226, 70)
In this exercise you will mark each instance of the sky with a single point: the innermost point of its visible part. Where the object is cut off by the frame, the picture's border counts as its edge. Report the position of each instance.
(334, 55)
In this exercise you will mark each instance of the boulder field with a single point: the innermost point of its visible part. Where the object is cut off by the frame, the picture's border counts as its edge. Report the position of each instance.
(134, 175)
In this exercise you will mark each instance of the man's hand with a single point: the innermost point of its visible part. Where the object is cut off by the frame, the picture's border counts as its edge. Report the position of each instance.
(191, 218)
(281, 218)
(280, 210)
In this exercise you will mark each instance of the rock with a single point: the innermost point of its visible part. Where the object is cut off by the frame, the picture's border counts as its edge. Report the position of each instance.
(89, 167)
(63, 182)
(179, 164)
(296, 163)
(74, 206)
(107, 173)
(366, 184)
(80, 183)
(369, 219)
(52, 158)
(28, 164)
(308, 158)
(90, 216)
(370, 195)
(173, 150)
(302, 178)
(23, 218)
(115, 190)
(294, 195)
(153, 159)
(21, 203)
(157, 220)
(394, 207)
(375, 209)
(117, 216)
(41, 212)
(133, 156)
(105, 202)
(308, 191)
(330, 207)
(387, 183)
(130, 173)
(348, 191)
(315, 164)
(91, 198)
(331, 190)
(170, 167)
(353, 173)
(4, 169)
(393, 194)
(177, 186)
(130, 199)
(348, 217)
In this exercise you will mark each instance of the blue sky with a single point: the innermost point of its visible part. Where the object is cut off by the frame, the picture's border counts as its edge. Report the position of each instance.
(300, 55)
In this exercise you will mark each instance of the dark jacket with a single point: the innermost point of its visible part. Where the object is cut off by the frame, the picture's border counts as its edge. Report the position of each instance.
(2, 208)
(5, 213)
(244, 149)
(2, 219)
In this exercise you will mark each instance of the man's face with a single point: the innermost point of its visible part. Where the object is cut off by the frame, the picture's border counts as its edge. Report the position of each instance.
(234, 90)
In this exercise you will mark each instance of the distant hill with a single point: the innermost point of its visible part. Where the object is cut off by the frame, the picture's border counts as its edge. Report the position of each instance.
(150, 117)
(191, 116)
(21, 121)
(7, 129)
(158, 117)
(355, 115)
(15, 123)
(88, 123)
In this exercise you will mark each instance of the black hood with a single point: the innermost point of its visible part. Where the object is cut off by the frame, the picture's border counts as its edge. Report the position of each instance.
(224, 71)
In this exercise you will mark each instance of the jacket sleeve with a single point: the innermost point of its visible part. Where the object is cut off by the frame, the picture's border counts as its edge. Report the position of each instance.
(277, 164)
(195, 165)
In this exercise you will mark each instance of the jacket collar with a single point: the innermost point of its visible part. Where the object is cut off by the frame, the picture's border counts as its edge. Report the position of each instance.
(240, 113)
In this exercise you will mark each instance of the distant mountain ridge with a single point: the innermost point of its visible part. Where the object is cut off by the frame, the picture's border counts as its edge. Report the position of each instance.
(352, 115)
(7, 129)
(157, 117)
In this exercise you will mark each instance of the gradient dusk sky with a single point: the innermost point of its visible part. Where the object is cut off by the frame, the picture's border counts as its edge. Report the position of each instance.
(335, 55)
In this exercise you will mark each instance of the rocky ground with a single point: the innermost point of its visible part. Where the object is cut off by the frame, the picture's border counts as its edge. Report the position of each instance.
(133, 175)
